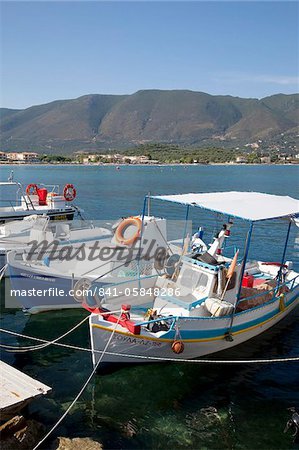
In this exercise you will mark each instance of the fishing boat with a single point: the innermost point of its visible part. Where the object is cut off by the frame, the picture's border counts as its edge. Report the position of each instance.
(70, 268)
(17, 202)
(20, 235)
(208, 301)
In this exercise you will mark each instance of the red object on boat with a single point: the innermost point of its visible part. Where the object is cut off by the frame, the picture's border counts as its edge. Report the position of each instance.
(248, 281)
(42, 196)
(123, 321)
(69, 192)
(31, 189)
(274, 263)
(258, 281)
(126, 308)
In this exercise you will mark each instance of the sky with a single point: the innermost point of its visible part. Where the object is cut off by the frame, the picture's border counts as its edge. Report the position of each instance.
(57, 50)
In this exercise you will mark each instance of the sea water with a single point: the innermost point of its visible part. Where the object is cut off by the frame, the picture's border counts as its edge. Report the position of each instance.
(158, 406)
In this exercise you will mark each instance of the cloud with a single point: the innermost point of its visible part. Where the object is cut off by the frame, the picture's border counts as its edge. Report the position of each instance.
(234, 77)
(275, 79)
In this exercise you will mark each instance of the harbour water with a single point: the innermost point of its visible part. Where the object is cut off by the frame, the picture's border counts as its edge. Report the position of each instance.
(183, 405)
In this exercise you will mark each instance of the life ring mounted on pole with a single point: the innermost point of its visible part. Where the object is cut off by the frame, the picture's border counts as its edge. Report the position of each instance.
(69, 192)
(123, 226)
(32, 189)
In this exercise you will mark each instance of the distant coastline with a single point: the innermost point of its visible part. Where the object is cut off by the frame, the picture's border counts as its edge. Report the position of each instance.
(73, 164)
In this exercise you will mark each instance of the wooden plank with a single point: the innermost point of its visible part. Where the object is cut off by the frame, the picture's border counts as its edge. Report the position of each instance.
(17, 389)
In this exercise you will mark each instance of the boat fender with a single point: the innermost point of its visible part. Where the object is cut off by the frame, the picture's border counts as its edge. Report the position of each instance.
(69, 192)
(122, 227)
(177, 347)
(282, 305)
(32, 189)
(218, 308)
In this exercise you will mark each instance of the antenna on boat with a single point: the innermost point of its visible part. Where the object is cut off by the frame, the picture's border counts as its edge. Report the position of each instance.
(148, 203)
(10, 178)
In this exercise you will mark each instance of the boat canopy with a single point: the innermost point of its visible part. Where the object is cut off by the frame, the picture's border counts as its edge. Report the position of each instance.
(252, 206)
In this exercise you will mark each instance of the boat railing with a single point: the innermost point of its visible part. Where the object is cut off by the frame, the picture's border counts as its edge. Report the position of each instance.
(15, 202)
(52, 188)
(196, 262)
(159, 319)
(290, 284)
(8, 203)
(114, 285)
(133, 280)
(210, 266)
(20, 195)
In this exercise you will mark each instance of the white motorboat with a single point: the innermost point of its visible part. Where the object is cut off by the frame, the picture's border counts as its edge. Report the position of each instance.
(71, 267)
(21, 235)
(17, 202)
(208, 302)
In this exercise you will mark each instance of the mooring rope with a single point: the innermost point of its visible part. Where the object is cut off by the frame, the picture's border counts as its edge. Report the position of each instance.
(158, 358)
(19, 349)
(2, 271)
(83, 387)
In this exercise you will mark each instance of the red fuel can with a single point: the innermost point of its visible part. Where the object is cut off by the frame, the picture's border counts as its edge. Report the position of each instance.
(42, 196)
(248, 280)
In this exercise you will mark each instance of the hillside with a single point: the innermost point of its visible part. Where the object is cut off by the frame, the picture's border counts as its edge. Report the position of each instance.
(182, 117)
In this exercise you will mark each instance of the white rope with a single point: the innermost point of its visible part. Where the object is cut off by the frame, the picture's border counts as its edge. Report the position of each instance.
(157, 358)
(15, 349)
(20, 349)
(82, 389)
(2, 271)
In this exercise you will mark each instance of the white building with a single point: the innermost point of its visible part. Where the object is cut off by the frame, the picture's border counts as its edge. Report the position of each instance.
(22, 157)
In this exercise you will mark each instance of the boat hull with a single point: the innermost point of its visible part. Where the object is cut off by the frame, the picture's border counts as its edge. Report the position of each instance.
(58, 291)
(25, 283)
(54, 214)
(201, 336)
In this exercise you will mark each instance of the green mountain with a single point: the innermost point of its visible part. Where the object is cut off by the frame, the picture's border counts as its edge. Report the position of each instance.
(182, 117)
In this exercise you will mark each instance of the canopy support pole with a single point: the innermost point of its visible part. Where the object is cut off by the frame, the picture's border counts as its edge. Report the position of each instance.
(247, 245)
(185, 226)
(279, 275)
(228, 335)
(140, 243)
(149, 204)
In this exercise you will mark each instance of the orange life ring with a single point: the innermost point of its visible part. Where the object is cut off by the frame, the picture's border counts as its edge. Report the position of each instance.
(69, 192)
(119, 232)
(30, 187)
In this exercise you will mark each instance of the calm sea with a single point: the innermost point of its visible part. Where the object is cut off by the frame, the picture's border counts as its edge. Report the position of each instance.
(160, 406)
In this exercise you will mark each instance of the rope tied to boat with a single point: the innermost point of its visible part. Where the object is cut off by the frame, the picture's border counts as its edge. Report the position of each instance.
(14, 349)
(83, 387)
(157, 358)
(2, 271)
